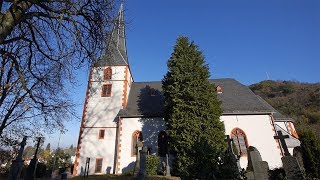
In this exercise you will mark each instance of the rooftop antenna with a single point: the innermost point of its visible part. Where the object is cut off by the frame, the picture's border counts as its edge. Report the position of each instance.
(267, 76)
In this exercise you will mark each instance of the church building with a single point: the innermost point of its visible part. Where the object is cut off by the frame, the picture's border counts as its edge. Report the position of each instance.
(118, 111)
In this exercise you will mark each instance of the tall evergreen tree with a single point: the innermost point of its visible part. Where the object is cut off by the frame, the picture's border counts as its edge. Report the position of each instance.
(192, 112)
(310, 146)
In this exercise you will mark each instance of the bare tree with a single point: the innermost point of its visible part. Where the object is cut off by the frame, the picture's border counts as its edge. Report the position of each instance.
(41, 44)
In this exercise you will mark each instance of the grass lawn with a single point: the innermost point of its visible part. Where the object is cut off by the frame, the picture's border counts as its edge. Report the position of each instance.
(121, 177)
(94, 177)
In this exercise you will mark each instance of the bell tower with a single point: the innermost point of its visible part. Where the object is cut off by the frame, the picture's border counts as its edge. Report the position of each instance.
(107, 92)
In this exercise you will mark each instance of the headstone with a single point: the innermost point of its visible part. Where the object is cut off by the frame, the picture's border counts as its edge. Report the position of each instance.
(297, 152)
(292, 168)
(257, 169)
(162, 144)
(31, 170)
(282, 138)
(16, 166)
(290, 164)
(168, 174)
(230, 148)
(229, 141)
(143, 162)
(137, 164)
(86, 168)
(64, 176)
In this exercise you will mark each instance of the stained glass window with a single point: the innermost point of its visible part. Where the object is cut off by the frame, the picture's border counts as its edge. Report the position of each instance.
(240, 140)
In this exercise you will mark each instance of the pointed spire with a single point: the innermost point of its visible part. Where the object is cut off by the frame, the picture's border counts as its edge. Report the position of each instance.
(116, 51)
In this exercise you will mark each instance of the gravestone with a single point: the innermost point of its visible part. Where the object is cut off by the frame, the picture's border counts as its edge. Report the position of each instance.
(257, 168)
(31, 170)
(168, 174)
(162, 144)
(137, 164)
(290, 164)
(230, 149)
(163, 167)
(297, 152)
(282, 138)
(143, 161)
(16, 166)
(292, 168)
(87, 167)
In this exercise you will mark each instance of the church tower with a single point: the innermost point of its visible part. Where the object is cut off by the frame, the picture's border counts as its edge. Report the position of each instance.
(107, 92)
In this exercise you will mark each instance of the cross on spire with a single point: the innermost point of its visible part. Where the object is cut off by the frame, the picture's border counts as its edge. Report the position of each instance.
(282, 138)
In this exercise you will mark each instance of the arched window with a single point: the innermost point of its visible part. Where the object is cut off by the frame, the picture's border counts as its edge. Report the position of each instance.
(136, 138)
(107, 74)
(240, 140)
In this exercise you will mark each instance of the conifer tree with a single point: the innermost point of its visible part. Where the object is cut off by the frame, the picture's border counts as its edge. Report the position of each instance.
(192, 112)
(310, 146)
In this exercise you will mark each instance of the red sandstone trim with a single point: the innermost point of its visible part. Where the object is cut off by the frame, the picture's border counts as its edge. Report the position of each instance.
(98, 127)
(125, 88)
(119, 146)
(293, 132)
(110, 80)
(275, 133)
(82, 124)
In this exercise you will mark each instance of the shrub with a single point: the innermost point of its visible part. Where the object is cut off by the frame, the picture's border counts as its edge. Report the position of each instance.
(41, 170)
(277, 174)
(152, 164)
(228, 168)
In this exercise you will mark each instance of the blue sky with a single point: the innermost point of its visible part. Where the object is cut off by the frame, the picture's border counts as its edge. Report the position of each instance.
(249, 40)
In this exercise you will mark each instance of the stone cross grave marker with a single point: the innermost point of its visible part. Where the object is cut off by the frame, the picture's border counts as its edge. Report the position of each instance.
(31, 170)
(143, 162)
(162, 144)
(290, 164)
(137, 164)
(282, 138)
(16, 166)
(229, 141)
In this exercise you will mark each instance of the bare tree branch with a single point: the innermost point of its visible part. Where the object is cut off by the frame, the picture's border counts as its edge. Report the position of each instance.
(41, 43)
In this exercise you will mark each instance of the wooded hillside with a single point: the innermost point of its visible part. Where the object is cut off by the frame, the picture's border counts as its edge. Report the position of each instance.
(300, 101)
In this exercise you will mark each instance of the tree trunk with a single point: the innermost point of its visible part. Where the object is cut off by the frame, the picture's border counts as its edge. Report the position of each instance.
(12, 17)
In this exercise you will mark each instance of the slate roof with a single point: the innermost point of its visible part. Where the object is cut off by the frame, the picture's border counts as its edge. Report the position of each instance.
(116, 52)
(236, 99)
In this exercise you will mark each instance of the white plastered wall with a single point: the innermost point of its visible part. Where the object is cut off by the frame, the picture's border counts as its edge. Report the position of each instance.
(101, 114)
(258, 129)
(92, 147)
(101, 111)
(150, 128)
(259, 132)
